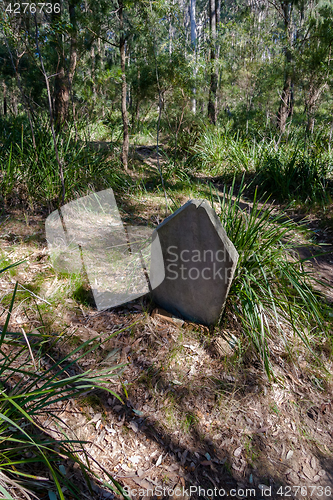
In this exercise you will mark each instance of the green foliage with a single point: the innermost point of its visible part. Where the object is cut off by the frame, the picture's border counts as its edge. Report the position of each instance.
(291, 175)
(33, 174)
(272, 292)
(221, 151)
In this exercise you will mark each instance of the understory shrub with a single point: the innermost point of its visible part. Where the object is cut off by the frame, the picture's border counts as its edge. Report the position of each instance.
(272, 294)
(32, 175)
(294, 176)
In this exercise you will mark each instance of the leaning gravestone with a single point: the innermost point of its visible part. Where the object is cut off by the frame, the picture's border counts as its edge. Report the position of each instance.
(199, 263)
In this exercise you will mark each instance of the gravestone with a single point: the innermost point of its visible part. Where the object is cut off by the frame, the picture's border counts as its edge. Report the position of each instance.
(199, 263)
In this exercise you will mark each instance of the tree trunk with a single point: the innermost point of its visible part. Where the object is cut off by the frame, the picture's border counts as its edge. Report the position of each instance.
(61, 172)
(4, 98)
(73, 47)
(61, 97)
(286, 107)
(14, 103)
(125, 148)
(310, 105)
(63, 79)
(212, 108)
(193, 44)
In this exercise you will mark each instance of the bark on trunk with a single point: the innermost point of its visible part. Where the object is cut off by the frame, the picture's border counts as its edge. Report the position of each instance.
(73, 46)
(286, 107)
(61, 97)
(14, 103)
(73, 59)
(212, 107)
(125, 148)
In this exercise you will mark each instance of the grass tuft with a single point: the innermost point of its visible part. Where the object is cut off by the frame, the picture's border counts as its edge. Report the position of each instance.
(272, 293)
(291, 176)
(30, 390)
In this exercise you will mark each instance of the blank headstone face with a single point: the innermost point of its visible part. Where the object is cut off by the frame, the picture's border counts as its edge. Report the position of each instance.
(199, 262)
(88, 236)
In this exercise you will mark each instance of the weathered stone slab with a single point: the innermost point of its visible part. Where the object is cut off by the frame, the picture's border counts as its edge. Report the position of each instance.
(199, 263)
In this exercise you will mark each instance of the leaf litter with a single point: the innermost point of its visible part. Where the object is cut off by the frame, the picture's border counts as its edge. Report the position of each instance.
(190, 416)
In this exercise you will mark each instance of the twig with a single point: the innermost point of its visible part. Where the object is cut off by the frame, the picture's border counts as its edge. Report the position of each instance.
(32, 293)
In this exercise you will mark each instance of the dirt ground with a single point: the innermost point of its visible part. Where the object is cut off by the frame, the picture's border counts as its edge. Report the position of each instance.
(193, 414)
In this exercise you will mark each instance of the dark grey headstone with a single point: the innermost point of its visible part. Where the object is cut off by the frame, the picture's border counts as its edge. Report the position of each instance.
(199, 262)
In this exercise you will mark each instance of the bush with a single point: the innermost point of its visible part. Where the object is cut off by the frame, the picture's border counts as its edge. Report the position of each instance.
(221, 151)
(32, 175)
(294, 176)
(272, 294)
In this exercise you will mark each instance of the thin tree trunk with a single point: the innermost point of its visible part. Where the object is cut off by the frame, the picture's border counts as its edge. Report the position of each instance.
(4, 98)
(160, 104)
(286, 104)
(212, 108)
(125, 148)
(92, 75)
(310, 105)
(72, 59)
(193, 44)
(61, 173)
(73, 43)
(287, 99)
(14, 103)
(61, 98)
(61, 84)
(27, 107)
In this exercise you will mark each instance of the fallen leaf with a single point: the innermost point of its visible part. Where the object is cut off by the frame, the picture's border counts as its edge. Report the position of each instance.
(261, 430)
(138, 412)
(176, 382)
(143, 483)
(134, 426)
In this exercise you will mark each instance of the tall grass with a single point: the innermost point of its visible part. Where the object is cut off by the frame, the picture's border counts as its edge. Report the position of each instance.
(295, 175)
(272, 293)
(31, 176)
(30, 390)
(298, 167)
(221, 151)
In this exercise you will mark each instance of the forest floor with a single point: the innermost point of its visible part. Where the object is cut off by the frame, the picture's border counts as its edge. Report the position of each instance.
(194, 413)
